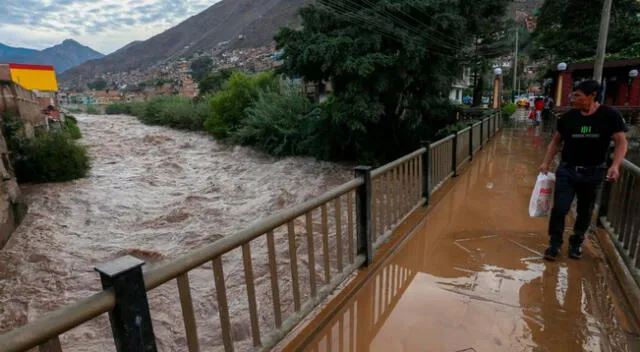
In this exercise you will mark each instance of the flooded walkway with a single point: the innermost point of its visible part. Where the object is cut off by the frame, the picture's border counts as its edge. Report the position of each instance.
(472, 278)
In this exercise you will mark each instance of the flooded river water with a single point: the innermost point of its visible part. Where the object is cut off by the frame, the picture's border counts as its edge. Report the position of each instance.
(152, 192)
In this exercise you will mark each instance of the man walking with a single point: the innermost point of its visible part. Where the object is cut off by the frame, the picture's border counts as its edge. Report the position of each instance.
(587, 131)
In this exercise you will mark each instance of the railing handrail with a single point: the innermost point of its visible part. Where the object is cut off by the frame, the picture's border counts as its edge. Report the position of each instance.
(633, 167)
(57, 322)
(381, 170)
(443, 140)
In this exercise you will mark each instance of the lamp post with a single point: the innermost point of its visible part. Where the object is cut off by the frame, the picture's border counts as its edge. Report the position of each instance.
(632, 75)
(561, 68)
(496, 87)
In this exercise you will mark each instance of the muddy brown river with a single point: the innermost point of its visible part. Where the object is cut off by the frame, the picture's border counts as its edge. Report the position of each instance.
(154, 193)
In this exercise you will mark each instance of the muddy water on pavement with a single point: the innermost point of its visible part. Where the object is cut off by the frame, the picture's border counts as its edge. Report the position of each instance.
(154, 193)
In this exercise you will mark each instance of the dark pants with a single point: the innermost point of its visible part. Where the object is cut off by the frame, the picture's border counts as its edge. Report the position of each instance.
(583, 183)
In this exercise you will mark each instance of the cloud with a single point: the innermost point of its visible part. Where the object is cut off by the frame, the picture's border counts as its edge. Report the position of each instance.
(105, 25)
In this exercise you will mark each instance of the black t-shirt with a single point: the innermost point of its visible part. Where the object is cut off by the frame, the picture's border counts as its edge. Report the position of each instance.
(587, 138)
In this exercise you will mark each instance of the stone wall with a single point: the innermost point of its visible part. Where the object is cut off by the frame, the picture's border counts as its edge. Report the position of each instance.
(12, 205)
(23, 102)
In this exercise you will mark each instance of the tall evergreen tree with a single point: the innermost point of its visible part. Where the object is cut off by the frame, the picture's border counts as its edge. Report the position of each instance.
(391, 64)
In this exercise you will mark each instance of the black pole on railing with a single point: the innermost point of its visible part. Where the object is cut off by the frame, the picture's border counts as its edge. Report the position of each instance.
(454, 157)
(426, 159)
(130, 318)
(363, 214)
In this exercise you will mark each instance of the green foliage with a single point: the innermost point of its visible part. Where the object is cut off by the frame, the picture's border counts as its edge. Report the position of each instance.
(91, 110)
(569, 28)
(75, 111)
(201, 68)
(49, 157)
(71, 127)
(118, 109)
(277, 124)
(99, 84)
(172, 111)
(388, 80)
(454, 128)
(228, 106)
(214, 82)
(509, 109)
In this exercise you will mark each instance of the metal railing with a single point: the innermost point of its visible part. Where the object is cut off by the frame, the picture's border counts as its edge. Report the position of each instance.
(317, 244)
(620, 215)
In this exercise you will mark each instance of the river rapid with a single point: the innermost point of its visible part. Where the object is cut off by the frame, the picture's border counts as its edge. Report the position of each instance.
(154, 193)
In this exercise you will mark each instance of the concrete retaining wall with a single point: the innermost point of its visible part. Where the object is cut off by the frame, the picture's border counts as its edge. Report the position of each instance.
(12, 205)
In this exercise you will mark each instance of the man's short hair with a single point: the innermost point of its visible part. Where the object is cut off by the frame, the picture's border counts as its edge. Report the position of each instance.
(589, 87)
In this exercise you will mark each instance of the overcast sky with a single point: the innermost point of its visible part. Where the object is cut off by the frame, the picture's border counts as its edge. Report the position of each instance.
(104, 25)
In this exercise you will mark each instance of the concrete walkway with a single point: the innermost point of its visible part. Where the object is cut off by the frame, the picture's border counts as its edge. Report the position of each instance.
(472, 278)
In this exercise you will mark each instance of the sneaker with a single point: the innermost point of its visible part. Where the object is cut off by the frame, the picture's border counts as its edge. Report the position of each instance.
(575, 251)
(551, 253)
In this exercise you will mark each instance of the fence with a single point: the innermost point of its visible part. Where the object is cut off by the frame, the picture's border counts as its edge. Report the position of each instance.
(619, 215)
(347, 223)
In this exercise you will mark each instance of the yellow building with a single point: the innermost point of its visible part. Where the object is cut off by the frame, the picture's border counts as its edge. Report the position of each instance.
(34, 77)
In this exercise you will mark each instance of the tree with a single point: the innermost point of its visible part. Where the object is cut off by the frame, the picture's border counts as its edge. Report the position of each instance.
(214, 82)
(568, 29)
(99, 84)
(201, 68)
(391, 64)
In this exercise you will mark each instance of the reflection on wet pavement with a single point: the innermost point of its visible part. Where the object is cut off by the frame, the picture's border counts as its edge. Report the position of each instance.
(471, 278)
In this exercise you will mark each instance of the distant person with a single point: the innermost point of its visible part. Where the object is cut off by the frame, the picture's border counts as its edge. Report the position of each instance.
(587, 131)
(539, 106)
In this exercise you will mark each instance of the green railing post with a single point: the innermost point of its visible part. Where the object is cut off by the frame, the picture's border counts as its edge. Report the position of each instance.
(364, 214)
(454, 157)
(426, 159)
(130, 318)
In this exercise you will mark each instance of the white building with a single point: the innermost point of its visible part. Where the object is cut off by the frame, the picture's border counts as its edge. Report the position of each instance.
(464, 82)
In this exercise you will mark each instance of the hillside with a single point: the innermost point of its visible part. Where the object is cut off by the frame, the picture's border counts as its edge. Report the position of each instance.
(62, 56)
(257, 20)
(8, 51)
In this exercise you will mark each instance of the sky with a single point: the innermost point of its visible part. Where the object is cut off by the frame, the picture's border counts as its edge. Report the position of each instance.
(103, 25)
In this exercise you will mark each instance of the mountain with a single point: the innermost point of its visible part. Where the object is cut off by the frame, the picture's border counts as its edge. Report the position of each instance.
(257, 20)
(135, 42)
(63, 56)
(8, 51)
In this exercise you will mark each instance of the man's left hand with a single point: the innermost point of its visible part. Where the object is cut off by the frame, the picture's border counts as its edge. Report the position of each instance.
(613, 174)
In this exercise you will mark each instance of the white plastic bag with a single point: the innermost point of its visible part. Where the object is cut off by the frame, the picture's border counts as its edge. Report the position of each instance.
(542, 197)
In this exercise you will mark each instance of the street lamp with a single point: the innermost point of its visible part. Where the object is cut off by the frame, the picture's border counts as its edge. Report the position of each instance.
(562, 67)
(632, 74)
(496, 88)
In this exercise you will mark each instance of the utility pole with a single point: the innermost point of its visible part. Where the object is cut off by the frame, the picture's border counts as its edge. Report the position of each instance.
(602, 40)
(515, 62)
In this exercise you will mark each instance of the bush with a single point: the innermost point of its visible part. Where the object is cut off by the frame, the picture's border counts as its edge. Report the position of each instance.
(229, 105)
(71, 127)
(275, 124)
(172, 111)
(92, 110)
(454, 128)
(118, 109)
(50, 157)
(509, 109)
